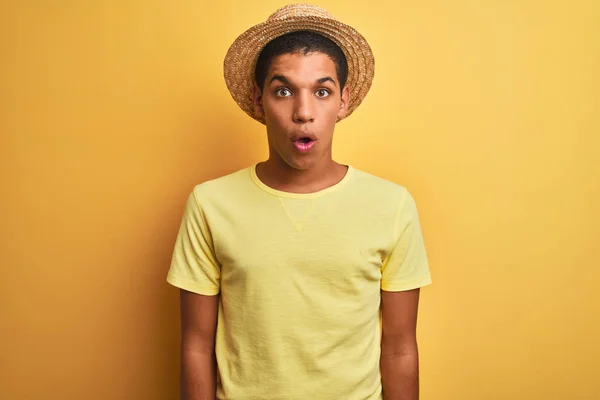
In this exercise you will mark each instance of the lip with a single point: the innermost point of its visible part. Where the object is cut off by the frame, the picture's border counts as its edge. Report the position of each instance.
(301, 134)
(304, 147)
(301, 146)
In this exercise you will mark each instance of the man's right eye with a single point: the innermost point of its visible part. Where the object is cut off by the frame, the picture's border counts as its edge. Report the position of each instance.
(283, 92)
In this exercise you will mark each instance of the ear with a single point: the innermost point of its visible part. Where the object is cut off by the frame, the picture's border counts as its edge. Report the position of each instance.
(257, 100)
(345, 98)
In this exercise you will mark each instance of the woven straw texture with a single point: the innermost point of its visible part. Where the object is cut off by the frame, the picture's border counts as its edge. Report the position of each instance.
(241, 57)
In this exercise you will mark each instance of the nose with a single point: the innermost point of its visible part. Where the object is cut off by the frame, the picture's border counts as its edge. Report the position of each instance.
(303, 109)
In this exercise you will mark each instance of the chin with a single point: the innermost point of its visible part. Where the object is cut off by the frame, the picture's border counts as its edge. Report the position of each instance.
(302, 164)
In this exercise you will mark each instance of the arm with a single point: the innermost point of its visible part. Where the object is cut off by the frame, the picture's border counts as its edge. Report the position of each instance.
(198, 362)
(399, 354)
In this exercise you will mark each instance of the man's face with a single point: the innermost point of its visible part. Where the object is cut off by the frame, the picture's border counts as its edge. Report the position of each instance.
(301, 102)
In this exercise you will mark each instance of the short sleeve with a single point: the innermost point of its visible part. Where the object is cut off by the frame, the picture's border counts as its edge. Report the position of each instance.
(406, 266)
(194, 266)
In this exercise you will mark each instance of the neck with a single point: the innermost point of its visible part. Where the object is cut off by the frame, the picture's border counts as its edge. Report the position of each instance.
(277, 174)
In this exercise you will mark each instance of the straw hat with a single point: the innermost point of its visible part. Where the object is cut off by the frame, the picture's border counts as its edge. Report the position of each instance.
(241, 57)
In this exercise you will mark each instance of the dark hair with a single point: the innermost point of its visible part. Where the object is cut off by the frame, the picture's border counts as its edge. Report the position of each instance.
(303, 42)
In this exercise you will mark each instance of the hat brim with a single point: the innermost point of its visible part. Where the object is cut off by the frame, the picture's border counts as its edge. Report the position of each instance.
(240, 60)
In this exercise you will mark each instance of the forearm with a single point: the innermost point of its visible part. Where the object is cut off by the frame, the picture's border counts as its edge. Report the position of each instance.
(198, 362)
(198, 375)
(400, 373)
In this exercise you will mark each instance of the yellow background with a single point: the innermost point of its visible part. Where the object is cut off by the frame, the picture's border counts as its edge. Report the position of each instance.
(487, 111)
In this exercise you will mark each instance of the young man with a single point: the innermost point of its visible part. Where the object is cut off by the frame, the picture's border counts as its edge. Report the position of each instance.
(299, 276)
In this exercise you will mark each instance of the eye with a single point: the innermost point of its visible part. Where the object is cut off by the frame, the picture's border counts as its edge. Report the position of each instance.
(322, 93)
(283, 92)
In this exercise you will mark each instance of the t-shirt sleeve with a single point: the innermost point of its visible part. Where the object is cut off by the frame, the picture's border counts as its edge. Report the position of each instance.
(194, 266)
(406, 266)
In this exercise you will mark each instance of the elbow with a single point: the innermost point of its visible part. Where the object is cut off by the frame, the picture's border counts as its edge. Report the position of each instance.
(394, 346)
(195, 344)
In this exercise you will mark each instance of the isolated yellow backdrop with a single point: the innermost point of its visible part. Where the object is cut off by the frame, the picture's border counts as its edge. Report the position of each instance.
(487, 111)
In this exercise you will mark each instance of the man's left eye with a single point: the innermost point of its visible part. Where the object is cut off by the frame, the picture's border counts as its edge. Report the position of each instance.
(322, 93)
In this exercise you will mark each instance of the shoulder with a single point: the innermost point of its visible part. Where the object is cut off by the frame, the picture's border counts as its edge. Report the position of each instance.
(223, 185)
(222, 194)
(380, 189)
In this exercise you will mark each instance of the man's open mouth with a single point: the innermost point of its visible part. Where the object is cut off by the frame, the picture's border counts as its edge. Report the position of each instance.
(304, 144)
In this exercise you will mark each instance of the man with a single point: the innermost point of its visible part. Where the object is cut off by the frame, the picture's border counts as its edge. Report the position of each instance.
(299, 276)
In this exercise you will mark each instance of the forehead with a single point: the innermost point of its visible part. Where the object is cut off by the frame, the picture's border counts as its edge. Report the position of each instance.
(311, 66)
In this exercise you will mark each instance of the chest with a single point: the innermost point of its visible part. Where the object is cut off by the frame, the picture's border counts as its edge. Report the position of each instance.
(341, 246)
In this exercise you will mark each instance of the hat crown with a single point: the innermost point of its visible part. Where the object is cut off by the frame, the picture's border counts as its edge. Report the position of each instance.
(300, 10)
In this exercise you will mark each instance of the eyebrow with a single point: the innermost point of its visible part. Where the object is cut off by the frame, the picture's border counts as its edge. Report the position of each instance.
(286, 81)
(280, 78)
(326, 79)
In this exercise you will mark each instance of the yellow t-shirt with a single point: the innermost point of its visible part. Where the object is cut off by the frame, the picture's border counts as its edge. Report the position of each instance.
(300, 277)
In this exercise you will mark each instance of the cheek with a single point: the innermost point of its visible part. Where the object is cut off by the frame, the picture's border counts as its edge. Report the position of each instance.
(334, 106)
(275, 112)
(330, 114)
